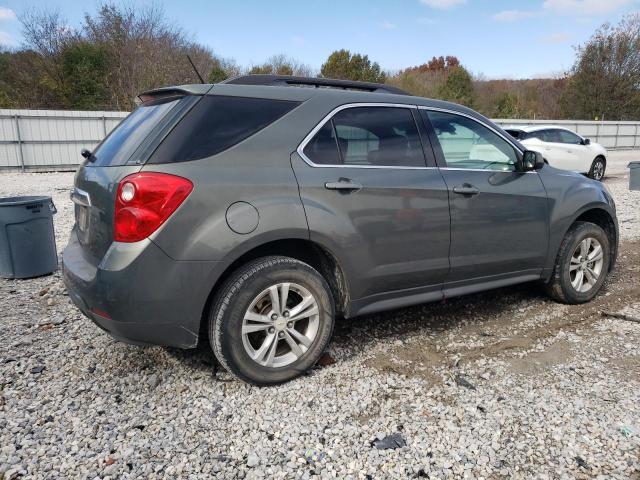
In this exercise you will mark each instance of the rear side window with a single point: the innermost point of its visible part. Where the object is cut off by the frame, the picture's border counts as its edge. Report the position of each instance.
(123, 141)
(217, 123)
(519, 134)
(368, 136)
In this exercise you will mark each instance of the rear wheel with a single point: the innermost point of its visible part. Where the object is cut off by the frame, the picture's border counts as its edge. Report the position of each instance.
(272, 320)
(598, 168)
(582, 264)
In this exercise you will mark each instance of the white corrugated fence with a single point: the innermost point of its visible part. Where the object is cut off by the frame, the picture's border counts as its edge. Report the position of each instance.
(52, 139)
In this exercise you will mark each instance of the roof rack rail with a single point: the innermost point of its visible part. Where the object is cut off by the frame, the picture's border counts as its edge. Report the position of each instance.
(285, 80)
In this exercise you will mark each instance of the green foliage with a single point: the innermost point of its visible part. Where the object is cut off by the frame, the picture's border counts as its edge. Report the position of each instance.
(347, 66)
(458, 87)
(605, 80)
(281, 65)
(267, 69)
(506, 106)
(85, 69)
(217, 74)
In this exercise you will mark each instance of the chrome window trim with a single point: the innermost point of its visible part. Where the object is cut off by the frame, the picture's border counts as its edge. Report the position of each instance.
(331, 114)
(484, 170)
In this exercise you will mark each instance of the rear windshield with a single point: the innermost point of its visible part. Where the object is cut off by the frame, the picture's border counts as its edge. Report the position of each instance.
(217, 123)
(118, 147)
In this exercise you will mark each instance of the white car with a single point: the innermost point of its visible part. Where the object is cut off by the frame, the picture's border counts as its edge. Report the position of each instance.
(562, 148)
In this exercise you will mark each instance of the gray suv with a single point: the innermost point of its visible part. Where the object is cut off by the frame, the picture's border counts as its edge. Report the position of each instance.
(255, 212)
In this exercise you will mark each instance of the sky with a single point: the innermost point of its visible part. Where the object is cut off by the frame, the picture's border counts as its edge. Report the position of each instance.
(492, 38)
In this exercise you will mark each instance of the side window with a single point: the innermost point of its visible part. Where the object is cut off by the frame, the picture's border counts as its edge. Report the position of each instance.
(368, 136)
(466, 143)
(381, 136)
(569, 137)
(217, 123)
(551, 136)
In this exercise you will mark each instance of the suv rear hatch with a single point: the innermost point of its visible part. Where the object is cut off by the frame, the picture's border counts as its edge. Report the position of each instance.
(123, 152)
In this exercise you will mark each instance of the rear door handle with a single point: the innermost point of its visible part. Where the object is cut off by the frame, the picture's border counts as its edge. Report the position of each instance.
(466, 190)
(345, 185)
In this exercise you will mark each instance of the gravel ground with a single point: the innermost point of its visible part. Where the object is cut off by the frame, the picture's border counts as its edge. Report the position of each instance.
(504, 384)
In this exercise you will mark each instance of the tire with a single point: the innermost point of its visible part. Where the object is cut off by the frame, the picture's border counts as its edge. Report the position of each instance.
(598, 168)
(245, 301)
(562, 284)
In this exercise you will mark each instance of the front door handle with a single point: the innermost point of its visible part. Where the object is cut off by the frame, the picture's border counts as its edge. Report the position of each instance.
(344, 185)
(466, 189)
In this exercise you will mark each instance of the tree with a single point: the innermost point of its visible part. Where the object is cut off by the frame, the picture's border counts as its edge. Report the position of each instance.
(605, 80)
(344, 65)
(458, 87)
(506, 106)
(217, 74)
(437, 64)
(427, 79)
(282, 65)
(85, 68)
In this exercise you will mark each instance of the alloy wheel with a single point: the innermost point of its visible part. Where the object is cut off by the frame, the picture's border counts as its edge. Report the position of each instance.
(280, 325)
(586, 264)
(598, 170)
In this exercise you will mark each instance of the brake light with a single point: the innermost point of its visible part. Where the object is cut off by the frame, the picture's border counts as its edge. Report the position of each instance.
(145, 201)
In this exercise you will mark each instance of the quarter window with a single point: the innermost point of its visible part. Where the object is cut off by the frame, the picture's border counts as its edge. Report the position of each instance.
(217, 123)
(466, 143)
(368, 136)
(323, 149)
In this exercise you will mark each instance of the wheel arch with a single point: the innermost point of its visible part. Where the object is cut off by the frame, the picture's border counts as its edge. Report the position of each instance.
(604, 220)
(600, 215)
(308, 251)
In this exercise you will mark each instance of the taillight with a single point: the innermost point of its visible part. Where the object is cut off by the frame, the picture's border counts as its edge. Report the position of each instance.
(144, 202)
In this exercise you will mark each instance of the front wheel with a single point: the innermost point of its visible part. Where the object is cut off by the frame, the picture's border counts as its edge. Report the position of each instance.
(272, 320)
(597, 169)
(582, 264)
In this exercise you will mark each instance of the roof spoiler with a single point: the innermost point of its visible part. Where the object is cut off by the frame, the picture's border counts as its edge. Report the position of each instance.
(289, 80)
(157, 93)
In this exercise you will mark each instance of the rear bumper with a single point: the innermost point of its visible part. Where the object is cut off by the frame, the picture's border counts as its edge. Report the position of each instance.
(139, 294)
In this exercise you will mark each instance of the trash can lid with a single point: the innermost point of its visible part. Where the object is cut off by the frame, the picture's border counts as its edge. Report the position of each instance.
(17, 201)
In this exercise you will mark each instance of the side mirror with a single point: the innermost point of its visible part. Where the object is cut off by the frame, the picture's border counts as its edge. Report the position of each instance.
(532, 161)
(586, 141)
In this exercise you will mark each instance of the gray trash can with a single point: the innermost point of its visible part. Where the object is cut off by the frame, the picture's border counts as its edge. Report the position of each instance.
(27, 240)
(634, 175)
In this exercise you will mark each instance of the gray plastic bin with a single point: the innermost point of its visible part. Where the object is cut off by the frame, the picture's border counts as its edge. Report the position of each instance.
(27, 239)
(634, 175)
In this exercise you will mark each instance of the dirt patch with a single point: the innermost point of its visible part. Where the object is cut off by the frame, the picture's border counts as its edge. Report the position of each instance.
(556, 354)
(541, 319)
(416, 360)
